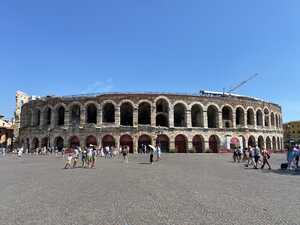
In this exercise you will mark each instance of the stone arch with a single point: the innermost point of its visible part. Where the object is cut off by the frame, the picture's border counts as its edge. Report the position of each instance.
(197, 115)
(268, 143)
(259, 117)
(261, 142)
(59, 143)
(74, 142)
(144, 140)
(181, 143)
(75, 113)
(47, 115)
(214, 143)
(251, 141)
(91, 140)
(163, 141)
(272, 119)
(45, 142)
(227, 116)
(213, 116)
(240, 116)
(198, 143)
(126, 112)
(91, 113)
(162, 112)
(127, 140)
(267, 117)
(277, 121)
(36, 117)
(108, 141)
(35, 143)
(180, 115)
(29, 118)
(108, 112)
(60, 115)
(250, 117)
(144, 113)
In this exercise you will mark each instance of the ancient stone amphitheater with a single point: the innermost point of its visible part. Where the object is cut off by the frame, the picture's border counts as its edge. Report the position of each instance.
(182, 123)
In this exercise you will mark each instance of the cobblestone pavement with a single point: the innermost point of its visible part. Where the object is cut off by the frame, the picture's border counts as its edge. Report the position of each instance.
(179, 190)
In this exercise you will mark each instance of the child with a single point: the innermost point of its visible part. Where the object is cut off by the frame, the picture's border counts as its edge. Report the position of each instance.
(68, 161)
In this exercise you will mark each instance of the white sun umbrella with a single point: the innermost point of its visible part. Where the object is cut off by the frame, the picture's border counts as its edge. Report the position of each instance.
(152, 147)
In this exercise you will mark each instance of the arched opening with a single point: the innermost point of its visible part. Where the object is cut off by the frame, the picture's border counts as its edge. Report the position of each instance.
(126, 114)
(274, 144)
(91, 114)
(213, 117)
(108, 141)
(278, 144)
(37, 118)
(261, 142)
(144, 140)
(60, 116)
(162, 113)
(259, 118)
(272, 119)
(240, 117)
(214, 143)
(198, 143)
(74, 142)
(277, 121)
(181, 144)
(179, 115)
(47, 116)
(227, 117)
(59, 143)
(251, 142)
(35, 143)
(268, 143)
(108, 113)
(127, 140)
(250, 117)
(45, 142)
(29, 118)
(144, 116)
(197, 116)
(164, 142)
(75, 115)
(91, 140)
(267, 118)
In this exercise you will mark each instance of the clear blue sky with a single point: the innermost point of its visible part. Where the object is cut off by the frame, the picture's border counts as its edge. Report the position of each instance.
(66, 47)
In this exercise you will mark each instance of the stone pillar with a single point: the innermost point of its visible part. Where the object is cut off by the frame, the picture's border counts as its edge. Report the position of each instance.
(135, 117)
(99, 117)
(67, 118)
(42, 121)
(135, 144)
(117, 116)
(190, 146)
(220, 119)
(255, 121)
(206, 145)
(172, 145)
(171, 118)
(245, 120)
(205, 119)
(82, 117)
(188, 118)
(153, 116)
(53, 119)
(234, 120)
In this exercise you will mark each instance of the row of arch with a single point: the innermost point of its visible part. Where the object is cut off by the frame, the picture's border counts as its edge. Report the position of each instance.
(181, 142)
(182, 115)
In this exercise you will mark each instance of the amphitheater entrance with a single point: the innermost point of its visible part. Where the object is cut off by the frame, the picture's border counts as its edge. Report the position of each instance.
(108, 141)
(126, 114)
(144, 140)
(108, 113)
(91, 140)
(59, 143)
(214, 143)
(126, 140)
(74, 142)
(212, 117)
(198, 144)
(164, 142)
(181, 144)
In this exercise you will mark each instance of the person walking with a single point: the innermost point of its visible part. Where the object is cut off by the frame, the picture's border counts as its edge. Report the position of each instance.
(68, 161)
(158, 153)
(297, 155)
(83, 158)
(290, 158)
(256, 156)
(251, 160)
(266, 156)
(94, 154)
(75, 158)
(151, 155)
(125, 153)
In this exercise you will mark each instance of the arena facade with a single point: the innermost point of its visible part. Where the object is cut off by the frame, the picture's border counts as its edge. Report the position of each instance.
(182, 123)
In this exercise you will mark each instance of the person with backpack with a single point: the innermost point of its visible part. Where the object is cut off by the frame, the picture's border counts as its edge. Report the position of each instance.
(256, 156)
(266, 156)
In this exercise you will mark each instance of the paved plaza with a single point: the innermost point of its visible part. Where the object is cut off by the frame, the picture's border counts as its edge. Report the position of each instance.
(182, 189)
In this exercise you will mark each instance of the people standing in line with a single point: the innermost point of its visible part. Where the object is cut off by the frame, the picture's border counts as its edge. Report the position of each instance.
(256, 156)
(266, 156)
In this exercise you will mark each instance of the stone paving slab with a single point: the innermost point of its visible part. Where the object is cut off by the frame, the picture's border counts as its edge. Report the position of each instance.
(182, 189)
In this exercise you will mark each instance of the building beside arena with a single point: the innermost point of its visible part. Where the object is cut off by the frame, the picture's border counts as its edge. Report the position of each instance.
(208, 122)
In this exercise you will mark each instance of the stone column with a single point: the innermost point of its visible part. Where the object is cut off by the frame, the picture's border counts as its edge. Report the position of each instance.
(190, 146)
(117, 116)
(82, 117)
(53, 119)
(245, 120)
(188, 118)
(153, 116)
(255, 121)
(171, 118)
(67, 118)
(172, 145)
(220, 119)
(234, 120)
(99, 117)
(135, 144)
(42, 121)
(206, 145)
(205, 119)
(135, 117)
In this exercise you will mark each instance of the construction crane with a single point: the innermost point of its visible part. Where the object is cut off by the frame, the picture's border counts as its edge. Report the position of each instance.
(242, 83)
